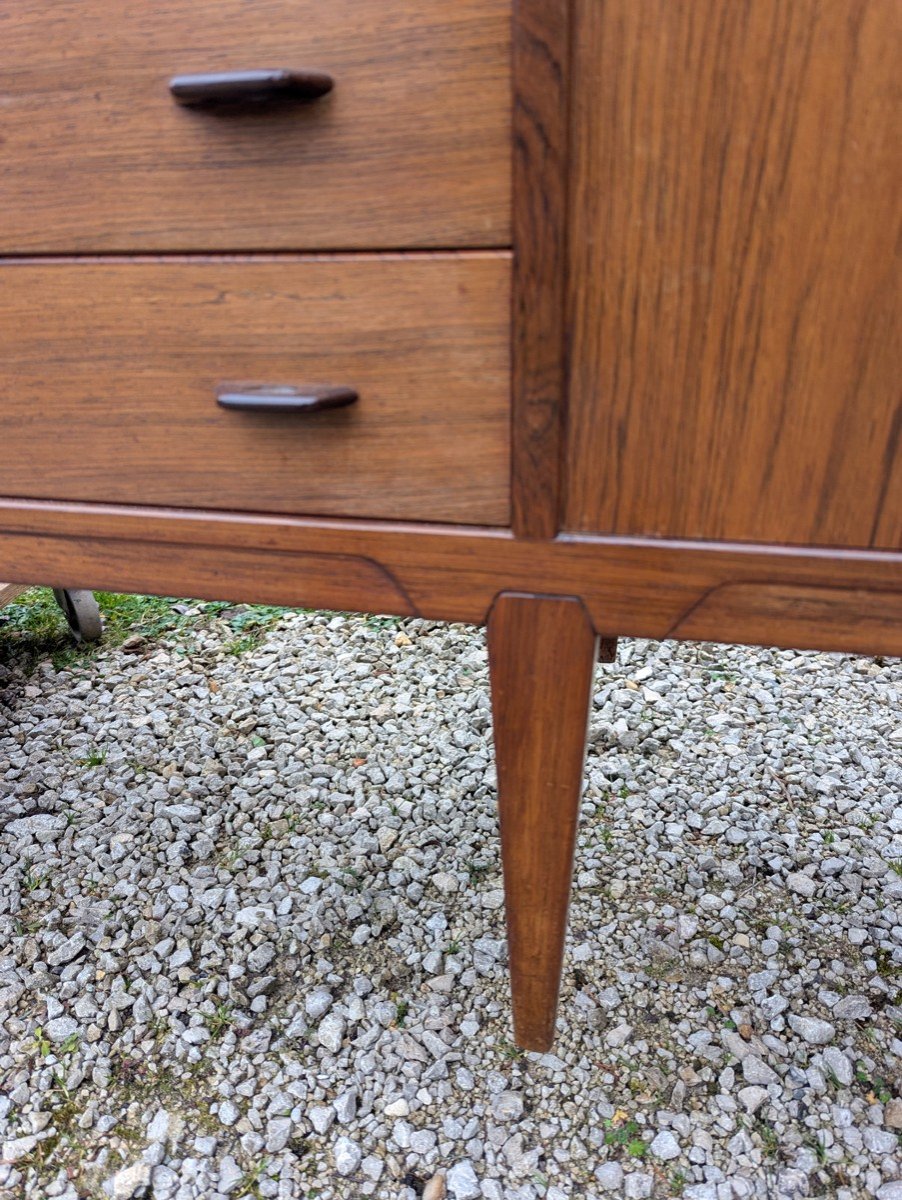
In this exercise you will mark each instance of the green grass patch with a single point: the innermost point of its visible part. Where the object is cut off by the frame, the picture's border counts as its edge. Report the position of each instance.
(34, 630)
(626, 1135)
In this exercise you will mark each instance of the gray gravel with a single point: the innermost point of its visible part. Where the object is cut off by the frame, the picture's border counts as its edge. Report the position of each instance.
(251, 927)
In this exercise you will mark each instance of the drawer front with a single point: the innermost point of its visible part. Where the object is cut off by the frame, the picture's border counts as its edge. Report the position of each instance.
(110, 371)
(410, 148)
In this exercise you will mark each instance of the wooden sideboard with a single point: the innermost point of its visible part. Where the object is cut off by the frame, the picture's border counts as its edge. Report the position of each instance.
(574, 319)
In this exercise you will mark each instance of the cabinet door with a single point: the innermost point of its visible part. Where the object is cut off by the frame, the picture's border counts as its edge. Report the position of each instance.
(734, 296)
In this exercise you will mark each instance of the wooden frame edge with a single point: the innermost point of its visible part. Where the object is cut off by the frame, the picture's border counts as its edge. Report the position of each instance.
(797, 597)
(541, 117)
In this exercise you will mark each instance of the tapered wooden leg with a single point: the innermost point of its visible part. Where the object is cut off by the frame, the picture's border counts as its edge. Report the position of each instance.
(542, 651)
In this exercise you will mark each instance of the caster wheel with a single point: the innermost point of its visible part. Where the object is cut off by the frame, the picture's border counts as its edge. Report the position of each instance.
(82, 613)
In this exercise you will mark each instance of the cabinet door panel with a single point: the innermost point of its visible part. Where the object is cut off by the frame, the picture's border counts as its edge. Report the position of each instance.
(734, 300)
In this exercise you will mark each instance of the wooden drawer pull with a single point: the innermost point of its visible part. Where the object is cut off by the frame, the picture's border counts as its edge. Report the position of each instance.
(285, 399)
(249, 87)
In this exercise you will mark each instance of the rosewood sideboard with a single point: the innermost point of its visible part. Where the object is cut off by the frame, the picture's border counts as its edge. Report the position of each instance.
(573, 318)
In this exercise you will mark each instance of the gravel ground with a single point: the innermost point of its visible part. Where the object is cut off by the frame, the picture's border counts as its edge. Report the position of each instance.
(251, 926)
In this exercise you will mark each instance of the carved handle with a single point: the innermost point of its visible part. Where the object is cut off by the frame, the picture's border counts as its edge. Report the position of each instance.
(249, 87)
(285, 399)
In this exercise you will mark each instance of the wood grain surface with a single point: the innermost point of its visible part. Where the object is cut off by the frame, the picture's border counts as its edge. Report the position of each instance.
(411, 149)
(542, 652)
(735, 303)
(110, 370)
(541, 104)
(9, 592)
(640, 588)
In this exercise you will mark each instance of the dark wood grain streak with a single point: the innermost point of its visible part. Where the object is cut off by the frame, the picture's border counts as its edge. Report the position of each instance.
(735, 295)
(641, 588)
(540, 121)
(542, 652)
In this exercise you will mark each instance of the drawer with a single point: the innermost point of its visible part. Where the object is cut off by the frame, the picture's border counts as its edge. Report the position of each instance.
(110, 372)
(410, 148)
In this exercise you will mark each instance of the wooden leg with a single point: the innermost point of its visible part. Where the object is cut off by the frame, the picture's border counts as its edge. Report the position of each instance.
(542, 651)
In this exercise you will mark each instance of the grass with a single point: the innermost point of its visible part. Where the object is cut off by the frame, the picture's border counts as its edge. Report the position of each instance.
(769, 1139)
(873, 1087)
(219, 1021)
(624, 1133)
(508, 1051)
(32, 880)
(249, 1184)
(33, 629)
(477, 872)
(94, 758)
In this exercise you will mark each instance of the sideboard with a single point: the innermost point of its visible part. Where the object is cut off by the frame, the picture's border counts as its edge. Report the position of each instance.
(573, 319)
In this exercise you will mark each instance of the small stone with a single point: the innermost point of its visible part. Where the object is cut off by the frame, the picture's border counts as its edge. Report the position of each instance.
(752, 1098)
(812, 1030)
(852, 1008)
(461, 1181)
(68, 950)
(507, 1106)
(397, 1108)
(260, 958)
(832, 866)
(879, 1141)
(347, 1156)
(638, 1186)
(665, 1146)
(184, 812)
(792, 1183)
(278, 1133)
(345, 1106)
(230, 1174)
(423, 1141)
(890, 1191)
(129, 1181)
(158, 1129)
(321, 1118)
(760, 981)
(253, 916)
(687, 928)
(317, 1003)
(372, 1167)
(801, 884)
(609, 1176)
(838, 1065)
(619, 1035)
(330, 1033)
(445, 882)
(228, 1113)
(386, 837)
(61, 1028)
(17, 1148)
(892, 1114)
(757, 1072)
